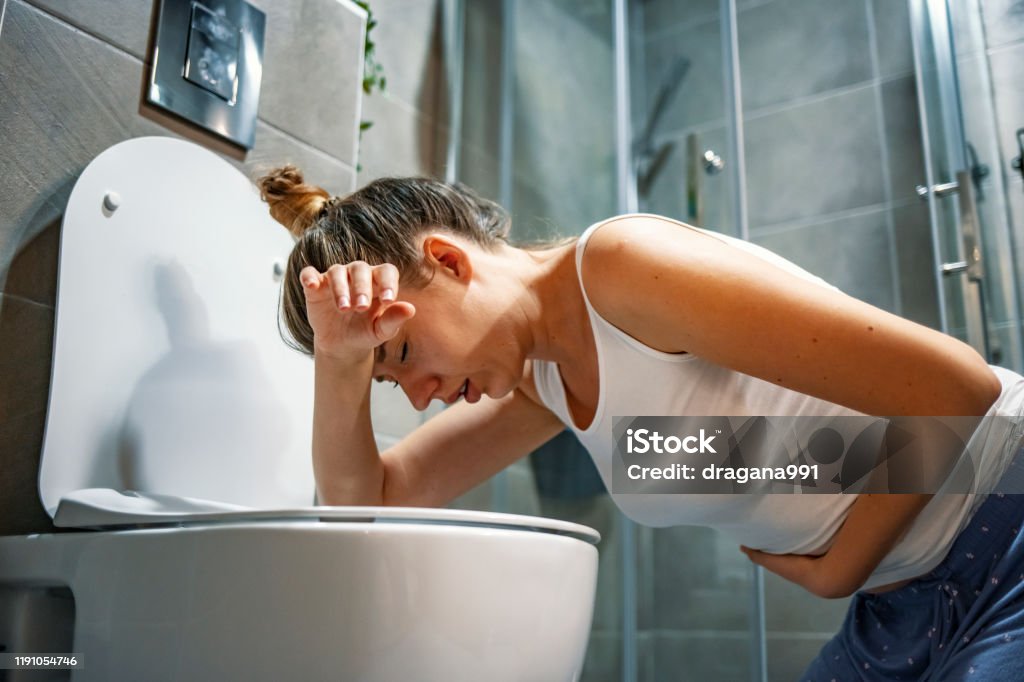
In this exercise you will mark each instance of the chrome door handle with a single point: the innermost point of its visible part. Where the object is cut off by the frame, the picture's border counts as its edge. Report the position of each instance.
(939, 190)
(954, 268)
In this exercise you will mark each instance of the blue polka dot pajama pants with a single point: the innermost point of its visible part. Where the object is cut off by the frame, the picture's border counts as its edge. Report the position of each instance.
(962, 621)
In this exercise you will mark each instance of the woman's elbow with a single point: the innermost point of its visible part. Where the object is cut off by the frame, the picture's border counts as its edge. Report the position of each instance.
(973, 386)
(986, 390)
(835, 586)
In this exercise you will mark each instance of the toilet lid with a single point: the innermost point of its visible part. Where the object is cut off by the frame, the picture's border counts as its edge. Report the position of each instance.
(169, 374)
(173, 399)
(101, 508)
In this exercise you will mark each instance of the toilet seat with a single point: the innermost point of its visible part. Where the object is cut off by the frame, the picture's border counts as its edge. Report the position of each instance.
(107, 509)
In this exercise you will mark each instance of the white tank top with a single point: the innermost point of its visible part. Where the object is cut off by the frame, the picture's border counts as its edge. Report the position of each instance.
(636, 379)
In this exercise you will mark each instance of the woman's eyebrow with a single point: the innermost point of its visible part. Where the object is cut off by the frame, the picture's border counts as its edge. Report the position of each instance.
(381, 353)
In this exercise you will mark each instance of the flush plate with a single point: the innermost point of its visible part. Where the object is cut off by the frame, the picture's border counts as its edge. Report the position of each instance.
(208, 65)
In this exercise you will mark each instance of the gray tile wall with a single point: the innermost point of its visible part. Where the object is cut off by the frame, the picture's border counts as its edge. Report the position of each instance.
(71, 85)
(564, 159)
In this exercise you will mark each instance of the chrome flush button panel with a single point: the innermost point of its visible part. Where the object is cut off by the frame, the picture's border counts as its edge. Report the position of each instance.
(212, 58)
(208, 65)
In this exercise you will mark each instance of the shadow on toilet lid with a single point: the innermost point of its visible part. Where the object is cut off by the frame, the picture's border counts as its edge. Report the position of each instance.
(104, 508)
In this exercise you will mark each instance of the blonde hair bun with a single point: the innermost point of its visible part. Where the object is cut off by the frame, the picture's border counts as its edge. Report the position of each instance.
(293, 203)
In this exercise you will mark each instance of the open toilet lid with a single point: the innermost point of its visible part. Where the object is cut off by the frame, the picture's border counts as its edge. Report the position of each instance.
(101, 508)
(169, 372)
(170, 379)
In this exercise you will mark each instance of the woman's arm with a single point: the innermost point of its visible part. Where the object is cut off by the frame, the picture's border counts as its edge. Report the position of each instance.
(438, 461)
(463, 446)
(871, 529)
(677, 289)
(449, 454)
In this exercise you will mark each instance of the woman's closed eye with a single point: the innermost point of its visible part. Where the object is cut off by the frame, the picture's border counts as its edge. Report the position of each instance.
(402, 356)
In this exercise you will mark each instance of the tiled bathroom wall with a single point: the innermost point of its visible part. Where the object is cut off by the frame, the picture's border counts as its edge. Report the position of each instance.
(72, 78)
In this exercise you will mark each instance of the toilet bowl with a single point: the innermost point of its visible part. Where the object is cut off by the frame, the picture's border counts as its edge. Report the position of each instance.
(177, 447)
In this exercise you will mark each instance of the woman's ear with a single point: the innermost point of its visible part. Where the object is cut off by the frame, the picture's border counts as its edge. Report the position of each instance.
(448, 255)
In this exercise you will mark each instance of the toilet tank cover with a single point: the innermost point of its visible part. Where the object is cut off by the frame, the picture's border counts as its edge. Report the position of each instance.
(170, 375)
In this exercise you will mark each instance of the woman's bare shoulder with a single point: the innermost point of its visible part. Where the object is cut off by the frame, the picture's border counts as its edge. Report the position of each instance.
(676, 288)
(629, 261)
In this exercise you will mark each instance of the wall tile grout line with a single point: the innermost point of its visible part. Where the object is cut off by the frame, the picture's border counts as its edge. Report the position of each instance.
(816, 98)
(819, 97)
(306, 145)
(28, 4)
(810, 221)
(121, 51)
(1004, 47)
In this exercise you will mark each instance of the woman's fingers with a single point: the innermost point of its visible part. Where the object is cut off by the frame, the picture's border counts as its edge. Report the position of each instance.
(337, 276)
(360, 284)
(391, 319)
(363, 299)
(315, 284)
(354, 286)
(386, 278)
(309, 277)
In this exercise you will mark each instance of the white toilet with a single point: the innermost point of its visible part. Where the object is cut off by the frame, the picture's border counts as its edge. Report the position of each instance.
(178, 442)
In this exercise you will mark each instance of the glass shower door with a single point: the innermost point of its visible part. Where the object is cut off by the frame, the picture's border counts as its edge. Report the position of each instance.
(971, 238)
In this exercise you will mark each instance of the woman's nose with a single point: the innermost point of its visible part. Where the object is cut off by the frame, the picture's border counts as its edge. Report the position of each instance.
(420, 390)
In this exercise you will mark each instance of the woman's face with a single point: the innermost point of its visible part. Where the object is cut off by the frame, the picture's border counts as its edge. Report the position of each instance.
(461, 341)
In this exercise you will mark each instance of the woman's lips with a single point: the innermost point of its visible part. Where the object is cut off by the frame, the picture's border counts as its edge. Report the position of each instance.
(468, 391)
(458, 394)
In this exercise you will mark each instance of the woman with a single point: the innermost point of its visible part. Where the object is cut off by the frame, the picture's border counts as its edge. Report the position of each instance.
(412, 280)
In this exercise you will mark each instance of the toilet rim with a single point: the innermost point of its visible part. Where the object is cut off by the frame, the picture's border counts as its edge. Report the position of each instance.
(92, 510)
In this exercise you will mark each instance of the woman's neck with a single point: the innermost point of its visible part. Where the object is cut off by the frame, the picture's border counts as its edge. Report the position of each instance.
(553, 307)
